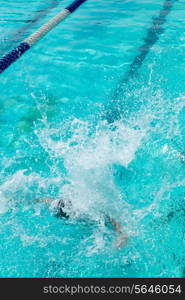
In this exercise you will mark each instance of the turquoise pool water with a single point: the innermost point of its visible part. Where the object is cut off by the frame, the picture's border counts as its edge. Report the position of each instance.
(56, 142)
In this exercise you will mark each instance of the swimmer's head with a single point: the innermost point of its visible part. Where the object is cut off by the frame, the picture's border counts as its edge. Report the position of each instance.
(61, 210)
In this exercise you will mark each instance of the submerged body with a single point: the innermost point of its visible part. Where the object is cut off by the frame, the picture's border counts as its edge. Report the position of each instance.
(61, 212)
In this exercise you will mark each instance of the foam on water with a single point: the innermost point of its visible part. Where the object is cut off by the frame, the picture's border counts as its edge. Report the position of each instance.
(89, 159)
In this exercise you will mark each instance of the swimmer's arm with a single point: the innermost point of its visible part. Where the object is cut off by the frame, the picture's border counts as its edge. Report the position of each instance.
(47, 200)
(116, 225)
(122, 238)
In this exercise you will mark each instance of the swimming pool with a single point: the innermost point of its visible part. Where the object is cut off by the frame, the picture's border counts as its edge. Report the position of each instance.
(56, 140)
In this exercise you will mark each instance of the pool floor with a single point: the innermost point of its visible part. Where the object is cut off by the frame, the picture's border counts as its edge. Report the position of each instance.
(57, 141)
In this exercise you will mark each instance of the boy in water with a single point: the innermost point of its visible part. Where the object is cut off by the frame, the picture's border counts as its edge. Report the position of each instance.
(122, 238)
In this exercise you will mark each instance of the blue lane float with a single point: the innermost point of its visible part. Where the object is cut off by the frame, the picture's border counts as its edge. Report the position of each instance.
(73, 6)
(12, 56)
(17, 52)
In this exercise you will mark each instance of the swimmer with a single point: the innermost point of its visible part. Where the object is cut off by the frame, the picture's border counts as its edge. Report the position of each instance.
(122, 238)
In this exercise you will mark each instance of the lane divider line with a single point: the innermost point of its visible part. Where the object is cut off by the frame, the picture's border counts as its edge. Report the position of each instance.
(152, 36)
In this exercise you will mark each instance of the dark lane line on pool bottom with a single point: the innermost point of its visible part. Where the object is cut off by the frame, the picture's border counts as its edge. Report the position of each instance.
(153, 34)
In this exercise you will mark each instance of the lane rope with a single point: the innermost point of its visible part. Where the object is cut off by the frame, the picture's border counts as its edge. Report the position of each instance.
(17, 35)
(17, 52)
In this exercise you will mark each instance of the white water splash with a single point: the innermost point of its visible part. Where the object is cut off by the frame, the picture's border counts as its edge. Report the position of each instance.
(89, 159)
